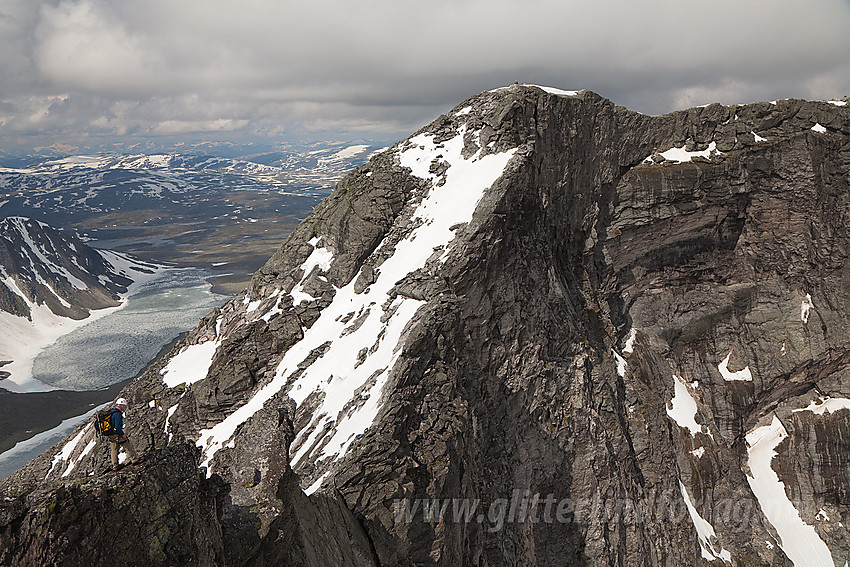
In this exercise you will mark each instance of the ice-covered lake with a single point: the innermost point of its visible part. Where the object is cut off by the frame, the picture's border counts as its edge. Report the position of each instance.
(117, 346)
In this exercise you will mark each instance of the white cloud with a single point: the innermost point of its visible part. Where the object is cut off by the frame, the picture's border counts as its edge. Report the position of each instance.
(183, 126)
(82, 46)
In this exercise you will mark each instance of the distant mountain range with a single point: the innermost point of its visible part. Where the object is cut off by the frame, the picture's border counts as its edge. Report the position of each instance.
(201, 210)
(109, 183)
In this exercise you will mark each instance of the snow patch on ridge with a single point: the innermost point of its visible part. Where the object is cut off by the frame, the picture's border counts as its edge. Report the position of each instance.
(355, 359)
(554, 91)
(739, 376)
(630, 341)
(798, 540)
(705, 531)
(805, 308)
(681, 155)
(621, 363)
(550, 90)
(316, 485)
(319, 257)
(72, 465)
(64, 456)
(826, 405)
(190, 365)
(683, 408)
(276, 308)
(168, 416)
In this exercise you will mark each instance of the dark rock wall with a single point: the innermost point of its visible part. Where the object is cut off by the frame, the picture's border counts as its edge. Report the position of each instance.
(575, 246)
(514, 389)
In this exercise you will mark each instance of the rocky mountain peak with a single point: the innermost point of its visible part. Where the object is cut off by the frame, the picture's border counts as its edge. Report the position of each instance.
(543, 330)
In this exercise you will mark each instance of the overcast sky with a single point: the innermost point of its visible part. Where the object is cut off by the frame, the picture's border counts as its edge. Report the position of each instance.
(89, 72)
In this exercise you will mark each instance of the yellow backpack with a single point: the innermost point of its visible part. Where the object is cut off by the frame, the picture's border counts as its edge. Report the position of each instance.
(103, 422)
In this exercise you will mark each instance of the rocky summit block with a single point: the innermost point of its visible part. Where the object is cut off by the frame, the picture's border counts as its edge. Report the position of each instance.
(543, 330)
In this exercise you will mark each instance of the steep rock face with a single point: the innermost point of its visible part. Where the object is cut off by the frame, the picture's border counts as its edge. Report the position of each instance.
(544, 330)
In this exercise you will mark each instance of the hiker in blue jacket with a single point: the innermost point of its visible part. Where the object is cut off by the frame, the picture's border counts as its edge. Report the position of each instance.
(120, 438)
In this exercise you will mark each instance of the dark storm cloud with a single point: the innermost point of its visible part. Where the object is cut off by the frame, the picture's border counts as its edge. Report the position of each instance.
(95, 69)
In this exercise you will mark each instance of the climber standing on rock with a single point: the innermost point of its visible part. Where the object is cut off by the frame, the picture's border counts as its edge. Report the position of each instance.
(117, 437)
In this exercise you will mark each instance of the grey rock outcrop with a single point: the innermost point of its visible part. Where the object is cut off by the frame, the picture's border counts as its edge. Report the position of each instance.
(167, 514)
(594, 368)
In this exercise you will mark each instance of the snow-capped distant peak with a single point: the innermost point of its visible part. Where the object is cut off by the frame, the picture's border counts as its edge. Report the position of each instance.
(111, 161)
(91, 162)
(350, 151)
